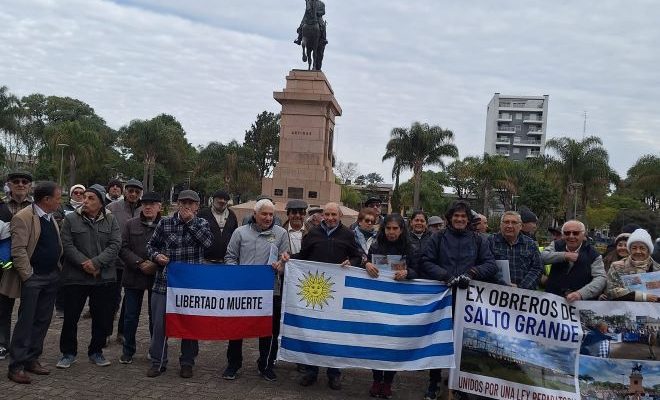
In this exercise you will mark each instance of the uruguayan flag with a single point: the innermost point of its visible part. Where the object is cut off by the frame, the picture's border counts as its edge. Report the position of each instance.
(340, 317)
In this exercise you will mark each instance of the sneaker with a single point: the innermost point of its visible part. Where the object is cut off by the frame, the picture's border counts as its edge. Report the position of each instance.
(65, 361)
(3, 353)
(386, 391)
(186, 371)
(230, 373)
(376, 388)
(125, 359)
(430, 394)
(268, 374)
(154, 371)
(99, 360)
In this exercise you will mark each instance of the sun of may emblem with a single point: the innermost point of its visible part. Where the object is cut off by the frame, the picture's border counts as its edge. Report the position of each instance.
(315, 289)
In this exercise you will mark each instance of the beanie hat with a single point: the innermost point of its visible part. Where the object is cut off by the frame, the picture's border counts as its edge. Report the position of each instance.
(98, 190)
(622, 236)
(74, 187)
(641, 236)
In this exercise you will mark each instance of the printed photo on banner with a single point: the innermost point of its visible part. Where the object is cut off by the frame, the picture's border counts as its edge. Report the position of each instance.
(648, 282)
(618, 356)
(334, 316)
(618, 329)
(612, 379)
(515, 344)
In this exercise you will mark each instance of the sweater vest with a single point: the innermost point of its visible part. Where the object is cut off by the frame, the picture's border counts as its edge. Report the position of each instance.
(563, 278)
(47, 252)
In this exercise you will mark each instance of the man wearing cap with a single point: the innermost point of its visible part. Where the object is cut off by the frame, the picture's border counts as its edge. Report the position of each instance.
(314, 218)
(115, 190)
(295, 224)
(19, 184)
(125, 208)
(436, 224)
(139, 270)
(529, 222)
(260, 242)
(183, 238)
(223, 223)
(36, 248)
(91, 239)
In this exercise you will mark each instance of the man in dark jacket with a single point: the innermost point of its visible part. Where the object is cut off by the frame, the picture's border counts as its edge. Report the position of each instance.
(124, 209)
(456, 255)
(331, 242)
(139, 271)
(91, 239)
(223, 223)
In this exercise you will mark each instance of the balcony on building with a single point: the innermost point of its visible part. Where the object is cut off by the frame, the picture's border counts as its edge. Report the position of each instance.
(529, 142)
(537, 131)
(502, 140)
(505, 117)
(533, 153)
(506, 129)
(502, 152)
(533, 119)
(521, 105)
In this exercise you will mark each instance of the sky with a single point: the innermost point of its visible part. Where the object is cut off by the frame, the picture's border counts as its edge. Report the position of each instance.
(214, 65)
(618, 371)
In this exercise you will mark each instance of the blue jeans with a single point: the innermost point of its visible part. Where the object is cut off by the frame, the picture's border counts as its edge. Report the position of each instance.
(133, 307)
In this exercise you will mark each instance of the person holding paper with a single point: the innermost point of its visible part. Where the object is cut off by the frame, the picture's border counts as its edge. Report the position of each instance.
(525, 267)
(392, 239)
(640, 247)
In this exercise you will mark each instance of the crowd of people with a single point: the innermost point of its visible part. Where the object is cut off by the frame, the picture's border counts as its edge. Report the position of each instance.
(111, 239)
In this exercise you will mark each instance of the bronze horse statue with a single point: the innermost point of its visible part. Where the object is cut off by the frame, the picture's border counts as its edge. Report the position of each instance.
(313, 43)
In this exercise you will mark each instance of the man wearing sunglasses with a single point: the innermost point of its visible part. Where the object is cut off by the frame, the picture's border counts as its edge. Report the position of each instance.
(19, 184)
(577, 271)
(128, 207)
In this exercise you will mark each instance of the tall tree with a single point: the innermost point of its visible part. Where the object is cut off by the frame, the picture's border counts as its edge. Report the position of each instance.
(462, 177)
(158, 140)
(346, 171)
(419, 146)
(581, 168)
(9, 122)
(644, 178)
(264, 138)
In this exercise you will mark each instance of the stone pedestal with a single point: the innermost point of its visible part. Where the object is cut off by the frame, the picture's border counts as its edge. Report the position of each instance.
(304, 170)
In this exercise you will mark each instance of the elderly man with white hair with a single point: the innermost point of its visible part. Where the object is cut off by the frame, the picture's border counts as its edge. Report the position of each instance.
(258, 242)
(577, 271)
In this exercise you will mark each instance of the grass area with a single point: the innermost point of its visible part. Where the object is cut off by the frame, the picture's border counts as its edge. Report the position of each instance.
(477, 363)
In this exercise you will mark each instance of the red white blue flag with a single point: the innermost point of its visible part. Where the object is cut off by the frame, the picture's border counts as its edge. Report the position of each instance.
(219, 302)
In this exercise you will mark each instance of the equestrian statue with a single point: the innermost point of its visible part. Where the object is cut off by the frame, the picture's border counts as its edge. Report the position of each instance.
(311, 34)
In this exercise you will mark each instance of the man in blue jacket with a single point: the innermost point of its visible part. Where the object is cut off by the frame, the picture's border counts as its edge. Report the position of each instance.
(456, 256)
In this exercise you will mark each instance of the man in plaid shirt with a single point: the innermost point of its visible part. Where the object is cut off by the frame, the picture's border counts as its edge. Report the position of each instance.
(520, 250)
(183, 238)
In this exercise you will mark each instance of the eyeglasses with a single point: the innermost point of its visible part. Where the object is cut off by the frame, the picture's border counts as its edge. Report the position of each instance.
(20, 181)
(572, 233)
(78, 193)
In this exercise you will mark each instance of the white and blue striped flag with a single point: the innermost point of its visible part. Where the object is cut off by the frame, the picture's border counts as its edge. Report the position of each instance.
(339, 317)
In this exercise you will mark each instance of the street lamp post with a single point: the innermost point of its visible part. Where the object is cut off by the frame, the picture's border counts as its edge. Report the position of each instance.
(575, 186)
(62, 146)
(515, 203)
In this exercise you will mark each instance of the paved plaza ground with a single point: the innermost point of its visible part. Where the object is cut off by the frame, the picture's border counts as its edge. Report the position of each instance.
(86, 381)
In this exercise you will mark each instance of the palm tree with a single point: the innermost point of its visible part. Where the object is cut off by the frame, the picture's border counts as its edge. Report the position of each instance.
(417, 147)
(84, 149)
(582, 168)
(644, 176)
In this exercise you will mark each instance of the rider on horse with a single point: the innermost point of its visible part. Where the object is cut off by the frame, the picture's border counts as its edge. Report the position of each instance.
(309, 19)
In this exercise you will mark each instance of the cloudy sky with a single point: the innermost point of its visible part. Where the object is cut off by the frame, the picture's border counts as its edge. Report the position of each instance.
(618, 371)
(214, 65)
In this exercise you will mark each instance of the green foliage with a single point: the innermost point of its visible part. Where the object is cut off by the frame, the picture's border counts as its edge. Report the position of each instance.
(647, 219)
(601, 217)
(419, 146)
(431, 193)
(263, 138)
(644, 179)
(351, 197)
(371, 178)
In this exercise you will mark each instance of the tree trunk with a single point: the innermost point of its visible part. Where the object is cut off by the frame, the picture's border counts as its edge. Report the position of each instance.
(72, 170)
(145, 175)
(417, 176)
